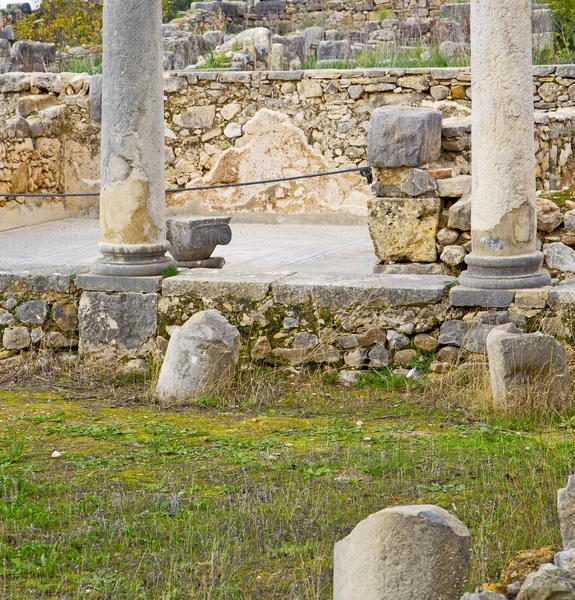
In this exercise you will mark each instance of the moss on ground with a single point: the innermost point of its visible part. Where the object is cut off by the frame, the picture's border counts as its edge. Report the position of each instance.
(248, 502)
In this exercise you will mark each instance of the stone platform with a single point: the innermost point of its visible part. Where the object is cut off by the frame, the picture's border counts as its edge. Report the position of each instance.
(333, 261)
(298, 293)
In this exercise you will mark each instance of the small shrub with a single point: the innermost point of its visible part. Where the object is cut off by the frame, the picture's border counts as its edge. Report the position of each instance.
(383, 14)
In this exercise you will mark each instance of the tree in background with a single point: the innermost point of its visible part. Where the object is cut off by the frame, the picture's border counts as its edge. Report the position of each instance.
(64, 23)
(564, 16)
(172, 8)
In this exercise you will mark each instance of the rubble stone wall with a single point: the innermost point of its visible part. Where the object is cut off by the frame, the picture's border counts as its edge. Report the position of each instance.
(49, 143)
(289, 15)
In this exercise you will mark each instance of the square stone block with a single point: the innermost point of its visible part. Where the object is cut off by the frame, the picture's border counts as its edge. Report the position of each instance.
(404, 137)
(404, 229)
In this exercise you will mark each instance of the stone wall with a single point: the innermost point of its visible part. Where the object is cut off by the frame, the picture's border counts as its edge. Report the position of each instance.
(403, 322)
(217, 130)
(288, 15)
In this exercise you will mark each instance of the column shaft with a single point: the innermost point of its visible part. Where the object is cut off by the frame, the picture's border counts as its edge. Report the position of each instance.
(132, 199)
(504, 215)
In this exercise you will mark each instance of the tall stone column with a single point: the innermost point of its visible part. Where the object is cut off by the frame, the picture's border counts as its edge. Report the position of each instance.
(132, 200)
(504, 216)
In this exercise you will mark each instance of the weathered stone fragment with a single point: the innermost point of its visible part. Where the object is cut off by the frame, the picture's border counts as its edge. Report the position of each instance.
(65, 315)
(527, 368)
(201, 358)
(34, 311)
(454, 187)
(403, 553)
(559, 257)
(566, 510)
(404, 229)
(549, 215)
(261, 349)
(453, 255)
(379, 356)
(548, 583)
(404, 137)
(16, 338)
(460, 215)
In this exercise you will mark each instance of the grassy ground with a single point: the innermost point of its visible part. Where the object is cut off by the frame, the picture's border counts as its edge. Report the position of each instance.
(245, 499)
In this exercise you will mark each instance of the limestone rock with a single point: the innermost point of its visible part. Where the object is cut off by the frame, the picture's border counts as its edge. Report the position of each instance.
(34, 311)
(403, 553)
(356, 358)
(549, 215)
(16, 338)
(201, 357)
(548, 583)
(566, 560)
(379, 356)
(447, 237)
(307, 341)
(334, 50)
(418, 183)
(6, 318)
(261, 349)
(404, 358)
(527, 367)
(559, 257)
(397, 341)
(566, 510)
(404, 229)
(127, 319)
(196, 117)
(454, 187)
(453, 255)
(460, 215)
(404, 137)
(65, 315)
(272, 147)
(259, 38)
(425, 342)
(569, 220)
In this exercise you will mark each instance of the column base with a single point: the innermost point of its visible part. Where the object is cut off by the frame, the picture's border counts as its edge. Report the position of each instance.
(132, 260)
(505, 272)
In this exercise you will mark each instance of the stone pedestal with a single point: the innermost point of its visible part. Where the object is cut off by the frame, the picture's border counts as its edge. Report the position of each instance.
(132, 200)
(504, 219)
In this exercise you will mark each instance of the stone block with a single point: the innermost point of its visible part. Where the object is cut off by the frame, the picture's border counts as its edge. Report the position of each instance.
(65, 315)
(454, 187)
(464, 296)
(379, 356)
(197, 117)
(404, 229)
(16, 338)
(34, 311)
(201, 358)
(108, 283)
(403, 553)
(334, 50)
(34, 57)
(404, 137)
(527, 368)
(460, 215)
(126, 319)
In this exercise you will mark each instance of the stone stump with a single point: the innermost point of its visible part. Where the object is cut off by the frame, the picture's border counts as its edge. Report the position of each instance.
(201, 358)
(403, 553)
(404, 216)
(528, 371)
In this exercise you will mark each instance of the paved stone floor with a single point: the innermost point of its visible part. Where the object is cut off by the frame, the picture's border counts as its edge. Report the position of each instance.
(255, 248)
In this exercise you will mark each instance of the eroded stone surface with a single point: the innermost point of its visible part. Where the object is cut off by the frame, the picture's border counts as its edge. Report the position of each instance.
(201, 357)
(403, 553)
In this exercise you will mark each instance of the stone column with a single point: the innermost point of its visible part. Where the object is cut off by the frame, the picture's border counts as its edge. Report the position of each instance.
(132, 200)
(504, 216)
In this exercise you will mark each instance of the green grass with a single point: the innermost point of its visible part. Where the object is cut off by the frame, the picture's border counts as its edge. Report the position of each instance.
(246, 501)
(85, 64)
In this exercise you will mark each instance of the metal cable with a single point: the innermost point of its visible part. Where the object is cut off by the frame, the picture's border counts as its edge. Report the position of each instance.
(365, 172)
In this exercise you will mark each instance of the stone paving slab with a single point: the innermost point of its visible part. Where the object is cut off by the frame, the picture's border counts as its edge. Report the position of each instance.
(333, 264)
